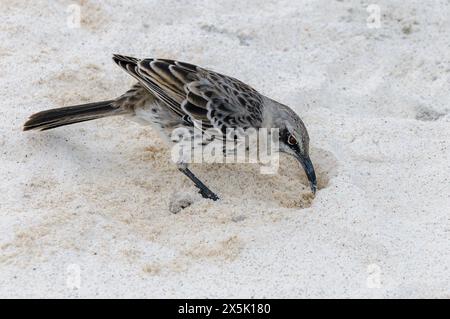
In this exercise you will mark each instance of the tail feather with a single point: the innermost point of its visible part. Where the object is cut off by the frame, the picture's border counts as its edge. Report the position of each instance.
(49, 119)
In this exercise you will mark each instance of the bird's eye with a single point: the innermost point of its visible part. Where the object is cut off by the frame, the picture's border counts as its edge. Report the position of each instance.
(292, 140)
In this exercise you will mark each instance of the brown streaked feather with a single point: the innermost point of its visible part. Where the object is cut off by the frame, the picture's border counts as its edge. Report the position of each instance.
(131, 66)
(217, 100)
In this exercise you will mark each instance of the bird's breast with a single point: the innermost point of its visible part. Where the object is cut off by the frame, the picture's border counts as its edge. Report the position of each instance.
(158, 116)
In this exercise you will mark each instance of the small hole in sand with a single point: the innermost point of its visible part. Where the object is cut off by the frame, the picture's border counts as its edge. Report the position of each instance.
(288, 188)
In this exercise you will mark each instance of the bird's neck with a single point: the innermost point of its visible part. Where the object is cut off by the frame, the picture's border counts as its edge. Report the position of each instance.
(273, 113)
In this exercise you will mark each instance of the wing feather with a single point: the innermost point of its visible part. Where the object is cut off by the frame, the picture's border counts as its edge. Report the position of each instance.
(216, 100)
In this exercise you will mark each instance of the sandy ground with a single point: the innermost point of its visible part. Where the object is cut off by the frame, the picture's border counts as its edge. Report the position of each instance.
(85, 209)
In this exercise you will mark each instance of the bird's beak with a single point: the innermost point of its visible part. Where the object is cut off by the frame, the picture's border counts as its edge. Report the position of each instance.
(307, 165)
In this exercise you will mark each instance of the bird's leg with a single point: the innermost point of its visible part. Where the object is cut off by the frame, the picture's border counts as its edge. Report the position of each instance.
(204, 190)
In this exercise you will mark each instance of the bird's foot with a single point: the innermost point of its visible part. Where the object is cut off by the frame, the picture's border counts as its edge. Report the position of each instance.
(203, 189)
(208, 194)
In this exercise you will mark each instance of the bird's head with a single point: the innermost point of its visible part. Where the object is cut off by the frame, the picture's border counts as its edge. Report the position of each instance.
(294, 139)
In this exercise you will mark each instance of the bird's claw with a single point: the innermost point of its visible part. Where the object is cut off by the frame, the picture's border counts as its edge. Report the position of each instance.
(206, 193)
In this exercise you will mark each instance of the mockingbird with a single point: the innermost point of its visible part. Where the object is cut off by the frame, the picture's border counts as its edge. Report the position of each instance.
(172, 94)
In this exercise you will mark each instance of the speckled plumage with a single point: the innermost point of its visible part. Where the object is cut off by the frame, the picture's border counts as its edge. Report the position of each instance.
(172, 94)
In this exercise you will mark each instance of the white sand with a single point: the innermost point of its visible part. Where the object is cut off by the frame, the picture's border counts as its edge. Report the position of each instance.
(94, 198)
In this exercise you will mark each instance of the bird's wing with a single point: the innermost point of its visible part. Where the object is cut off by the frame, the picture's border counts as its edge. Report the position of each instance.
(154, 86)
(215, 100)
(224, 101)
